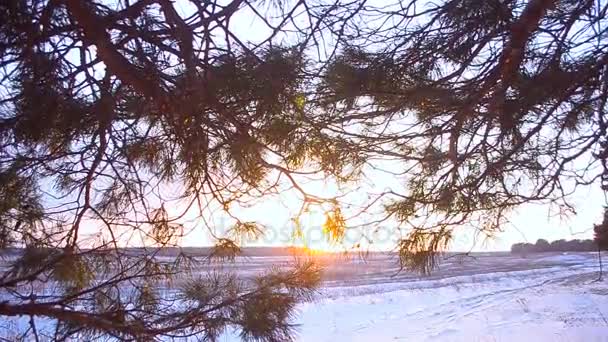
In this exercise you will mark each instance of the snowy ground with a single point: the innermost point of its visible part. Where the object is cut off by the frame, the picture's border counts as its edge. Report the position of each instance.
(488, 297)
(546, 297)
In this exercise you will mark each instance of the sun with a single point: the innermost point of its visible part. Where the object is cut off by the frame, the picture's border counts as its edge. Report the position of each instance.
(316, 252)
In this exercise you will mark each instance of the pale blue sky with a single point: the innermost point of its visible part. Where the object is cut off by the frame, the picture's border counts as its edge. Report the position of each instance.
(527, 223)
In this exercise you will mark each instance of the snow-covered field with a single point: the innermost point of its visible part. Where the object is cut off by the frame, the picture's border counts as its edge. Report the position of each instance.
(543, 297)
(487, 297)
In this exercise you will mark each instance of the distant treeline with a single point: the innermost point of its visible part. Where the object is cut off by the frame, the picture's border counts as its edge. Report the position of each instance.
(191, 251)
(562, 245)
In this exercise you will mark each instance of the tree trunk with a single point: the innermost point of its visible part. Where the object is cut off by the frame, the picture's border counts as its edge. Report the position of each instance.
(599, 256)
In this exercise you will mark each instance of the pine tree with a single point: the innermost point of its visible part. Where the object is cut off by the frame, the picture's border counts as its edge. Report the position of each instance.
(125, 117)
(600, 238)
(484, 105)
(116, 119)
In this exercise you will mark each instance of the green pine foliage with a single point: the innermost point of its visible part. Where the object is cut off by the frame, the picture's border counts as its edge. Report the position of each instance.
(600, 232)
(111, 114)
(127, 123)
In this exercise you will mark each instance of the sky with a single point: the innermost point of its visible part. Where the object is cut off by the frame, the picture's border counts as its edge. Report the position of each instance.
(526, 224)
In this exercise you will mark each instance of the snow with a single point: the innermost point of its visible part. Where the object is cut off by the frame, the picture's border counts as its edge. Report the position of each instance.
(543, 297)
(559, 302)
(527, 309)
